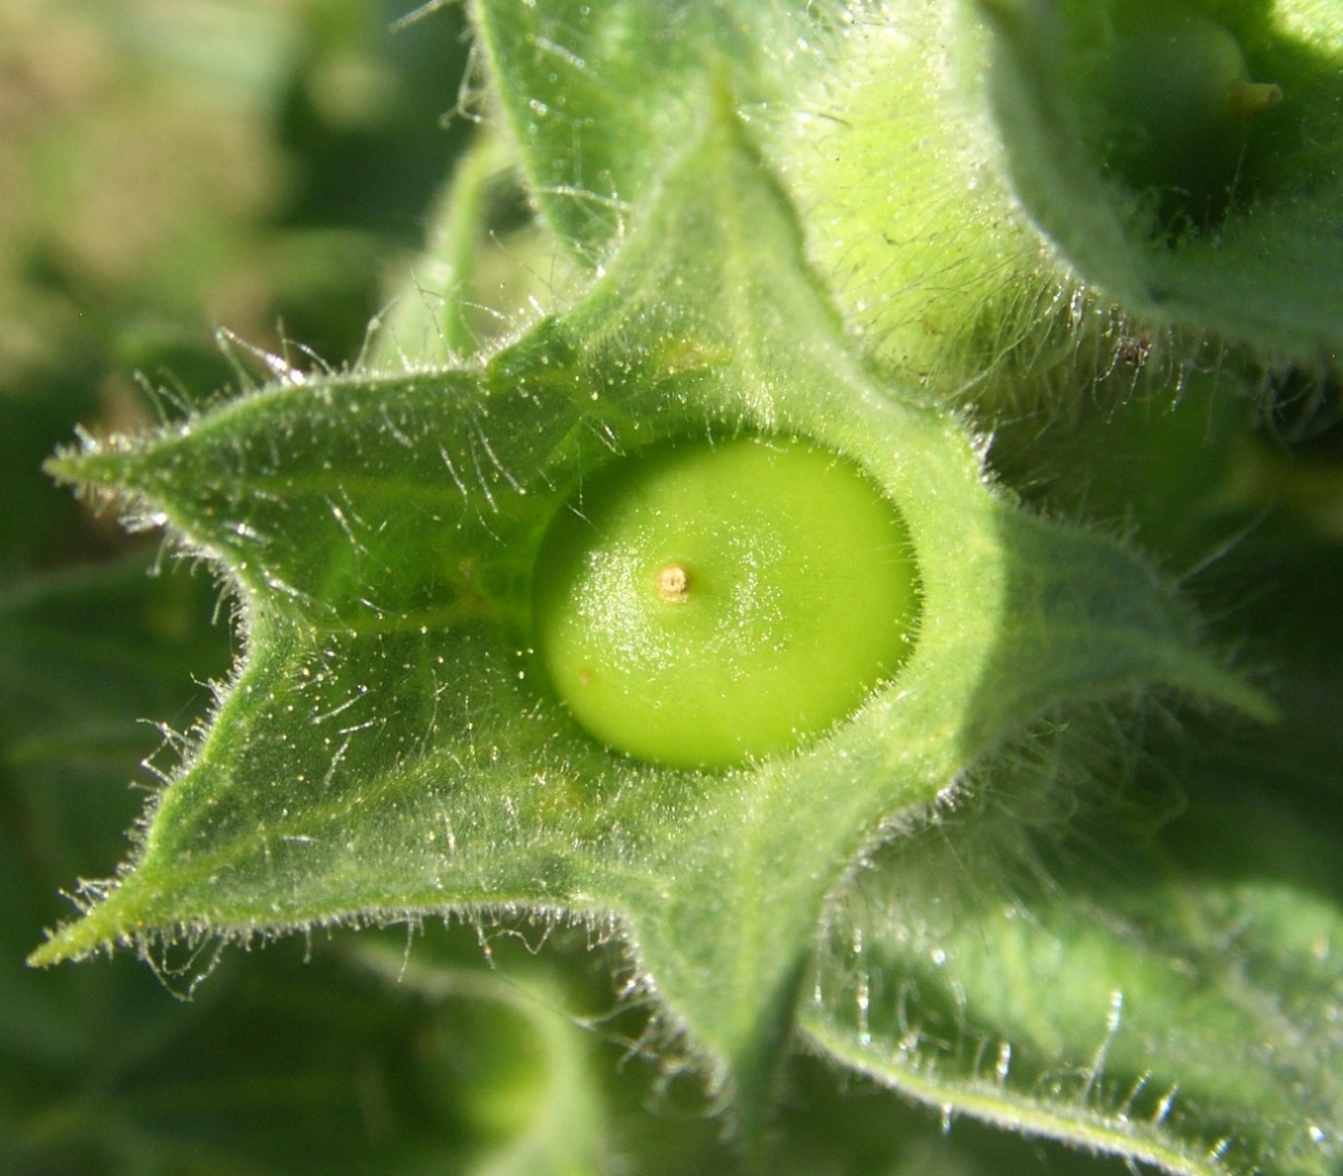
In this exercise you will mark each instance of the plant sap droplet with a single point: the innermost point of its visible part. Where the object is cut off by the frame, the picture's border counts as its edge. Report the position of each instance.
(702, 605)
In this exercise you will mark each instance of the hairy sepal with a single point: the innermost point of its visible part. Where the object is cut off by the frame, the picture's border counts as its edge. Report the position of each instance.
(388, 747)
(601, 98)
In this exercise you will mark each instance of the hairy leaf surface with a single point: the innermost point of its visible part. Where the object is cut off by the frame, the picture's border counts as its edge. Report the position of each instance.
(1183, 1011)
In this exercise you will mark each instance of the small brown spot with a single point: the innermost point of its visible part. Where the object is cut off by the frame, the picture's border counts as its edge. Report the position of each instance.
(585, 675)
(673, 583)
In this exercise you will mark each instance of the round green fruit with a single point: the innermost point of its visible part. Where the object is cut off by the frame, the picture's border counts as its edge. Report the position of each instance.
(702, 605)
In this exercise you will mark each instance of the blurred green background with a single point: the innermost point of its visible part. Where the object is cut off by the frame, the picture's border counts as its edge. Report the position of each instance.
(167, 168)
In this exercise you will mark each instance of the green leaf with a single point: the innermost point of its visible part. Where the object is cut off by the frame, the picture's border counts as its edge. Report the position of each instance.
(326, 1061)
(87, 658)
(390, 746)
(1182, 1008)
(540, 1097)
(601, 98)
(90, 660)
(283, 1062)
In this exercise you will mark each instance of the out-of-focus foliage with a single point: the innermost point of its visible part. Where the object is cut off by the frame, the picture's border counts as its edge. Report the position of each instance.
(172, 166)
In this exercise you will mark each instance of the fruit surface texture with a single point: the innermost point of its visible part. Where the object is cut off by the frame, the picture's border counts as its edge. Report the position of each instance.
(701, 605)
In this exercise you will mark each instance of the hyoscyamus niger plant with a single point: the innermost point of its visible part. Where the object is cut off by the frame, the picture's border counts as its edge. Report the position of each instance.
(819, 254)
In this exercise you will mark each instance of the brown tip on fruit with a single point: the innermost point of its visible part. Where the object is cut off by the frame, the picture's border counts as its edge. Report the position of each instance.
(1247, 99)
(673, 583)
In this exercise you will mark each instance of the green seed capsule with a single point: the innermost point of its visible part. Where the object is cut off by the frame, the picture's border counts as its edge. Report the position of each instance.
(701, 605)
(1178, 107)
